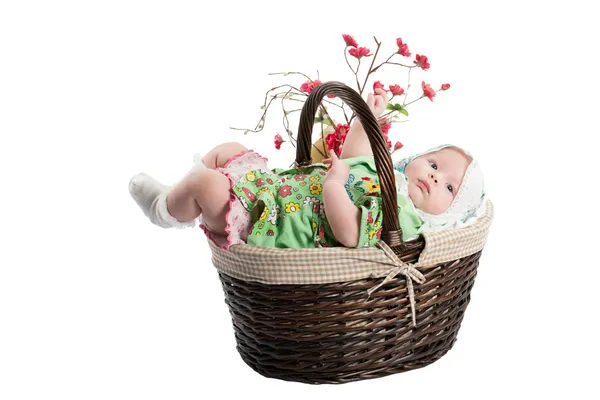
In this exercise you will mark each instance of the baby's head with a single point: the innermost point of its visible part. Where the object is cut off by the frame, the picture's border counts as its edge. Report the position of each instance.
(445, 184)
(434, 178)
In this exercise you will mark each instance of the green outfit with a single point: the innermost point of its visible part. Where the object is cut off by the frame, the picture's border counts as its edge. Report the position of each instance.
(286, 206)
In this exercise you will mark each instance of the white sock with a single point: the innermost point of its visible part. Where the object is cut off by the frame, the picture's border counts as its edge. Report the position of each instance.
(151, 196)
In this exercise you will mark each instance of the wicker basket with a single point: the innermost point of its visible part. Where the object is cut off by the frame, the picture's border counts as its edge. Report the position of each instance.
(339, 321)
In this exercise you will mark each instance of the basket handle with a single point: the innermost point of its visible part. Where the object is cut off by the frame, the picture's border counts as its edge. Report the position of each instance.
(392, 233)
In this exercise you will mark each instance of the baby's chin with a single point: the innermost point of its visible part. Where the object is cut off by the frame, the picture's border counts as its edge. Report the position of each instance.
(433, 209)
(416, 196)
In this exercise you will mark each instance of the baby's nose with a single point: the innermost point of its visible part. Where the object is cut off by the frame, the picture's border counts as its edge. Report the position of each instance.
(432, 176)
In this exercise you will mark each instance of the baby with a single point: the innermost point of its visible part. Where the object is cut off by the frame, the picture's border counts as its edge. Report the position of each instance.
(239, 199)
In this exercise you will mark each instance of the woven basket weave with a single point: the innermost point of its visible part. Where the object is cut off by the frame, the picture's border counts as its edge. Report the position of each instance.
(354, 329)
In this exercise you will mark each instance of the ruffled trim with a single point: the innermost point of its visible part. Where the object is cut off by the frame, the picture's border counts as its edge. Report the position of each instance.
(265, 159)
(232, 198)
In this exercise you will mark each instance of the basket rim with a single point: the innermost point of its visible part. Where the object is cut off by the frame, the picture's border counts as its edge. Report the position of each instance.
(270, 265)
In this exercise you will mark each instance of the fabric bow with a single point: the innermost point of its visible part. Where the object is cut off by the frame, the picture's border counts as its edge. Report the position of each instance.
(406, 269)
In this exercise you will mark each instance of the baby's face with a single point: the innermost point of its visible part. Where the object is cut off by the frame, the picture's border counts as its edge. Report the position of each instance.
(434, 179)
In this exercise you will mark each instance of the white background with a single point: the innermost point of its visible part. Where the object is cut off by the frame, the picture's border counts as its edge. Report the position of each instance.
(97, 303)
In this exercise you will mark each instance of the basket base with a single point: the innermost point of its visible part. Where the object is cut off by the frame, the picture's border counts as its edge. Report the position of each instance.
(332, 333)
(339, 377)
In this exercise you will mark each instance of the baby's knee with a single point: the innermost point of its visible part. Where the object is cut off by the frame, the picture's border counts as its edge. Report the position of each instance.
(233, 147)
(206, 180)
(225, 151)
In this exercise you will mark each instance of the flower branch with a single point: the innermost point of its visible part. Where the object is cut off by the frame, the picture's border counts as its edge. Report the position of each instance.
(333, 141)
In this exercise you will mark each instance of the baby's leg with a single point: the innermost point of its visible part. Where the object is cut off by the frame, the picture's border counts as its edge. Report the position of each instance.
(356, 143)
(222, 153)
(203, 192)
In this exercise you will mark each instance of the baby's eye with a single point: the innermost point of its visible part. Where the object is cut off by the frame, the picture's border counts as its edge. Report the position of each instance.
(433, 165)
(450, 188)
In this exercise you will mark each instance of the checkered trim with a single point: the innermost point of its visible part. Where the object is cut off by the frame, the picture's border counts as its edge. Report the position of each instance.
(454, 244)
(270, 265)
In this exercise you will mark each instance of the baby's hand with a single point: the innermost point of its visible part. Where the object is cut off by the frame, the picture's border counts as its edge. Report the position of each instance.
(378, 102)
(338, 171)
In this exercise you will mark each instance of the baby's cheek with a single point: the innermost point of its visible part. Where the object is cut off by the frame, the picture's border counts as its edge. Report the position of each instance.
(413, 194)
(442, 204)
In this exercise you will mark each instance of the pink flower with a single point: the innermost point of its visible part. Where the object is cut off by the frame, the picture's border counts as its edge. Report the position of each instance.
(445, 86)
(398, 146)
(334, 143)
(300, 177)
(336, 139)
(342, 130)
(308, 86)
(359, 52)
(260, 182)
(428, 91)
(285, 191)
(421, 61)
(278, 141)
(396, 90)
(378, 85)
(349, 40)
(402, 48)
(385, 126)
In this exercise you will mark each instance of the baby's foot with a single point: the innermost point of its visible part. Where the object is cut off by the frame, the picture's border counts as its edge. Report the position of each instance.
(151, 196)
(198, 164)
(198, 159)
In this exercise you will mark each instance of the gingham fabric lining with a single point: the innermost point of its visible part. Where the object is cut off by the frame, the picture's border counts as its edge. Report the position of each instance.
(451, 245)
(271, 265)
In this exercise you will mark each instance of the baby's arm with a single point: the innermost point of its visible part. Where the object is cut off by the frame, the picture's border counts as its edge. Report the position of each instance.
(357, 142)
(342, 214)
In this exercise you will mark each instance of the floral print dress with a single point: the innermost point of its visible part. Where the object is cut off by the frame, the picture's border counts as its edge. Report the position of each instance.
(286, 206)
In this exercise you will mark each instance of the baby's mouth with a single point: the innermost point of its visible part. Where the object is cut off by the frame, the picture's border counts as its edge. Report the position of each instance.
(424, 186)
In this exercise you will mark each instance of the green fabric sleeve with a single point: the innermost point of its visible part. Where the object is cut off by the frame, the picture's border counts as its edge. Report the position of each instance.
(409, 219)
(370, 221)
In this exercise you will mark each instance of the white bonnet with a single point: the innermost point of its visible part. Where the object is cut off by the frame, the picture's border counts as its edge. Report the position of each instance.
(468, 204)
